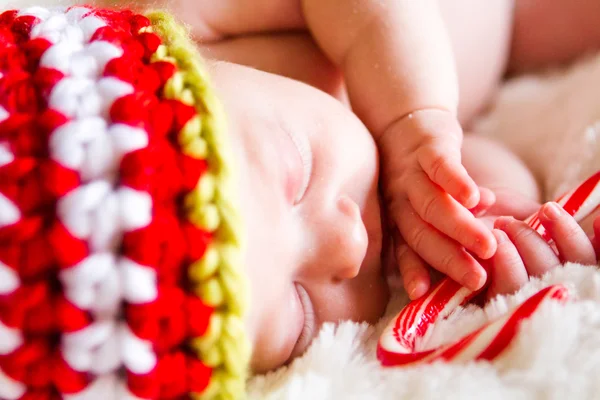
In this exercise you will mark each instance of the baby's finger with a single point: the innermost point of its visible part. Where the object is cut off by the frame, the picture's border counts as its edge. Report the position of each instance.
(438, 250)
(536, 253)
(443, 167)
(445, 214)
(508, 273)
(487, 199)
(413, 270)
(571, 241)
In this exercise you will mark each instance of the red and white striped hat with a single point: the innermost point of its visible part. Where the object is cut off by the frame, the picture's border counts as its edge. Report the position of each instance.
(120, 271)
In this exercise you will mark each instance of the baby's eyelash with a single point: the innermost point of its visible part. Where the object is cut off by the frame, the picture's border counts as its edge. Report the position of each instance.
(303, 146)
(307, 166)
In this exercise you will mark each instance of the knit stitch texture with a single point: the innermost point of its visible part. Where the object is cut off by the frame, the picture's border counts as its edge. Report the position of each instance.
(120, 241)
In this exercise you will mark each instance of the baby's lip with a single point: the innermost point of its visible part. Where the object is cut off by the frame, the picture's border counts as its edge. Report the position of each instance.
(310, 324)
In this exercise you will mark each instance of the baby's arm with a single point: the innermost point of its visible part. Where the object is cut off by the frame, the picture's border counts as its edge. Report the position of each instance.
(395, 56)
(400, 74)
(399, 70)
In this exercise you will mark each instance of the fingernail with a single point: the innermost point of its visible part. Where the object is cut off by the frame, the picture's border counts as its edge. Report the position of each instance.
(471, 281)
(501, 222)
(413, 286)
(501, 236)
(485, 245)
(413, 289)
(470, 200)
(551, 211)
(478, 248)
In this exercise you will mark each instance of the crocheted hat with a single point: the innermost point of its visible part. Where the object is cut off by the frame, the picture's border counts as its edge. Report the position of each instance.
(120, 264)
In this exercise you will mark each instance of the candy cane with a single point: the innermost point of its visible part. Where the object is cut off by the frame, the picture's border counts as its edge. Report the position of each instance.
(398, 343)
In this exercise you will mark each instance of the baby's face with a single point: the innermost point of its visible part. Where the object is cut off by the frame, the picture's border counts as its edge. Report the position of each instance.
(308, 174)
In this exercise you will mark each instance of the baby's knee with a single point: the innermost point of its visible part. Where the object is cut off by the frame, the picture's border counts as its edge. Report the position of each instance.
(494, 166)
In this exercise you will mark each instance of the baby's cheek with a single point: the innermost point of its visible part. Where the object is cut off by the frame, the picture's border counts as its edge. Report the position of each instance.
(275, 328)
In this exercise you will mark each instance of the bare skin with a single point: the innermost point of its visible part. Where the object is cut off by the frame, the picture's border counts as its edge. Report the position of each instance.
(386, 70)
(325, 239)
(289, 38)
(386, 59)
(522, 253)
(552, 32)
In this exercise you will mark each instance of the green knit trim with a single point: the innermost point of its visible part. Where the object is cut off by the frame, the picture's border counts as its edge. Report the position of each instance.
(218, 278)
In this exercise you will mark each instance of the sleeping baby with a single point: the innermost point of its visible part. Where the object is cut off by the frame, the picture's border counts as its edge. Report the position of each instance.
(317, 250)
(391, 60)
(133, 213)
(403, 88)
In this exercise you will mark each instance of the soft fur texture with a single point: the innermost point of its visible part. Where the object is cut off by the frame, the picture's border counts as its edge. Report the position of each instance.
(553, 122)
(555, 356)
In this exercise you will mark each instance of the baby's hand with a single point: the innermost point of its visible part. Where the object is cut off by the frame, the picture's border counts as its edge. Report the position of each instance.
(522, 252)
(428, 195)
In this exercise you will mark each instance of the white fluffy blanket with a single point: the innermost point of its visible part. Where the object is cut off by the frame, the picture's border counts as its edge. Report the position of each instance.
(553, 122)
(555, 356)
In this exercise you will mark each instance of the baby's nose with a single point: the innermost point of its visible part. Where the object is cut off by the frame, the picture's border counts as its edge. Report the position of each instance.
(344, 242)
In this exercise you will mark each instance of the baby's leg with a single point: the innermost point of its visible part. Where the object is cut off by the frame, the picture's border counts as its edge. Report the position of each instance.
(496, 168)
(480, 36)
(549, 32)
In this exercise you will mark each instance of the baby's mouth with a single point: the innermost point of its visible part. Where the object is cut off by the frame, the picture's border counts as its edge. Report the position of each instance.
(310, 324)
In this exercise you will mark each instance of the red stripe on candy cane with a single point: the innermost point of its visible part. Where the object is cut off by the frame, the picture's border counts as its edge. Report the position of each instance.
(581, 194)
(486, 343)
(524, 311)
(398, 345)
